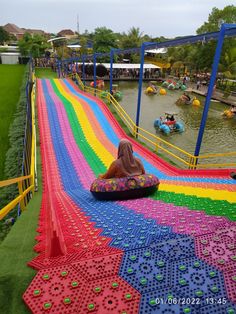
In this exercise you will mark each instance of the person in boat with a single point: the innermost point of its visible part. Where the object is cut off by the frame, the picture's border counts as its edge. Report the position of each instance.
(125, 165)
(172, 118)
(233, 109)
(154, 88)
(233, 175)
(186, 97)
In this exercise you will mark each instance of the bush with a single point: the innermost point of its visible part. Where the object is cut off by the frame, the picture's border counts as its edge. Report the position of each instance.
(14, 156)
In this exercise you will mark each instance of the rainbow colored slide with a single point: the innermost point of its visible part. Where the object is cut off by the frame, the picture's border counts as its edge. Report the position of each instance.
(174, 252)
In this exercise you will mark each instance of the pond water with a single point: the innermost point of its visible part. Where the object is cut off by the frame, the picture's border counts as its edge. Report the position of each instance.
(219, 135)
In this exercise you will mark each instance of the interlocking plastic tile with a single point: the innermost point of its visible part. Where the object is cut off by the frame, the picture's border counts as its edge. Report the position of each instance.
(145, 270)
(55, 290)
(99, 267)
(176, 249)
(195, 279)
(218, 307)
(217, 249)
(41, 261)
(230, 283)
(110, 295)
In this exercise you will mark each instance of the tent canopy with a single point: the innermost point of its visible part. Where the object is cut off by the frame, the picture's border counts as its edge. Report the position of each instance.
(128, 65)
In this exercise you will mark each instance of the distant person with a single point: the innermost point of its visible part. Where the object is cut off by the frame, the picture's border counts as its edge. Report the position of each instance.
(125, 165)
(198, 84)
(186, 97)
(233, 175)
(233, 109)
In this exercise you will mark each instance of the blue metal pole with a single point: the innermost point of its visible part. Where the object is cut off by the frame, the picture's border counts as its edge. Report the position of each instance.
(111, 68)
(83, 70)
(94, 71)
(210, 88)
(76, 65)
(66, 68)
(58, 68)
(140, 83)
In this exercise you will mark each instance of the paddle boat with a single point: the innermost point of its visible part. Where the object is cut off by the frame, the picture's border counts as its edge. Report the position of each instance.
(151, 89)
(184, 99)
(230, 113)
(99, 84)
(168, 124)
(116, 93)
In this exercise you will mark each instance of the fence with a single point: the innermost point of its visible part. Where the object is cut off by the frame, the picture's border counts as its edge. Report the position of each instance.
(27, 183)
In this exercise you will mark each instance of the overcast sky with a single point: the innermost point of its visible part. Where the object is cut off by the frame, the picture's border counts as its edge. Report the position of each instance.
(156, 18)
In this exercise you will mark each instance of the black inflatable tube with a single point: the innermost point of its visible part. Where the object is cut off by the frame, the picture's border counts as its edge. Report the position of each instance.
(124, 195)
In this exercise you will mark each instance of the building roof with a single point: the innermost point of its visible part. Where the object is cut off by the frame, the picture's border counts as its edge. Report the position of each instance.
(12, 28)
(65, 32)
(73, 46)
(129, 65)
(33, 31)
(159, 50)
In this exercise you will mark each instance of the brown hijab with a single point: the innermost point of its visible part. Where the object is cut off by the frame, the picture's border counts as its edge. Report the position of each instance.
(128, 164)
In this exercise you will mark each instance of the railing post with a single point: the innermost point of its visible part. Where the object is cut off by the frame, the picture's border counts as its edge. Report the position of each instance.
(94, 73)
(135, 129)
(109, 97)
(22, 202)
(156, 146)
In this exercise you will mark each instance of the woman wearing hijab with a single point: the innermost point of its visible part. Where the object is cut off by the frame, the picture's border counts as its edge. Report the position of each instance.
(125, 165)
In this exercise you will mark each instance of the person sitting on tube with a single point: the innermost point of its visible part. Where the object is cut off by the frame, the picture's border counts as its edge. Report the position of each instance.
(126, 163)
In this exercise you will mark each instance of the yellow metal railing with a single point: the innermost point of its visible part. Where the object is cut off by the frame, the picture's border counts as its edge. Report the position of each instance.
(158, 144)
(26, 184)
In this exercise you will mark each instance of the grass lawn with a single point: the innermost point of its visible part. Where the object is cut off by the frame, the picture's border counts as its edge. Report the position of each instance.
(45, 73)
(10, 83)
(16, 250)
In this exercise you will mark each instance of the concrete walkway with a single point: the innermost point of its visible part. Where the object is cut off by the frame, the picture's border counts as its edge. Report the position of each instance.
(217, 94)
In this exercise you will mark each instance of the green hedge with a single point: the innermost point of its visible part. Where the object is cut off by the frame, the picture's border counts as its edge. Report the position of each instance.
(14, 155)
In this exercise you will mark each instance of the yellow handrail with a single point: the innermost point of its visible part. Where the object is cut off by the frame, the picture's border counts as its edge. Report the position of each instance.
(14, 180)
(189, 159)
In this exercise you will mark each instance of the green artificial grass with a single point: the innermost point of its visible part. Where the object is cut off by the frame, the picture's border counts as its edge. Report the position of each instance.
(16, 250)
(10, 83)
(45, 73)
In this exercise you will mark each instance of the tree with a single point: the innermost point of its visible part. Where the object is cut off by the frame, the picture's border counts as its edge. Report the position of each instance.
(104, 39)
(4, 36)
(33, 45)
(132, 39)
(217, 16)
(206, 52)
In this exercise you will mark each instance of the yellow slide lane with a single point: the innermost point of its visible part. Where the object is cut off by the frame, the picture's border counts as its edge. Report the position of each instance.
(200, 192)
(103, 154)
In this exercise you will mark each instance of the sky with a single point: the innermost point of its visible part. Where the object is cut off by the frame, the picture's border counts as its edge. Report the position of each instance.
(168, 18)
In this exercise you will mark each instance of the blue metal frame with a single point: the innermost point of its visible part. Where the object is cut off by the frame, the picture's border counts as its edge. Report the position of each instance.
(111, 68)
(94, 71)
(227, 30)
(142, 52)
(83, 69)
